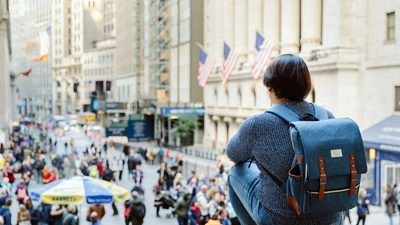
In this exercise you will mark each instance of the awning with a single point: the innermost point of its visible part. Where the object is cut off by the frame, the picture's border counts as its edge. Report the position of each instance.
(384, 135)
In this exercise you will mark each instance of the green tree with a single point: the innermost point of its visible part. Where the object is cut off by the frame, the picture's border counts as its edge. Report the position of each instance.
(185, 127)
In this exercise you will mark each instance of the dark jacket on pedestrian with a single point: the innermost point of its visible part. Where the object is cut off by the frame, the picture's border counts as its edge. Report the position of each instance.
(45, 210)
(137, 211)
(6, 214)
(182, 206)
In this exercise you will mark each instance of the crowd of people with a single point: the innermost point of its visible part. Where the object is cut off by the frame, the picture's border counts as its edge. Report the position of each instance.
(200, 199)
(31, 154)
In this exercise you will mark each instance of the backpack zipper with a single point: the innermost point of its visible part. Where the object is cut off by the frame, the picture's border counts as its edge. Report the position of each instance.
(331, 191)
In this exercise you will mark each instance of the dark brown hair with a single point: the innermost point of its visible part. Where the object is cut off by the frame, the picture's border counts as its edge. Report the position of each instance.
(289, 77)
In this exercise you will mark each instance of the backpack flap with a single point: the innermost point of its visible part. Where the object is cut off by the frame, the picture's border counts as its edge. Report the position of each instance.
(334, 158)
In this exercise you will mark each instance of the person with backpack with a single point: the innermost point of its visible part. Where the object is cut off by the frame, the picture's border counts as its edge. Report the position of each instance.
(266, 186)
(21, 192)
(135, 210)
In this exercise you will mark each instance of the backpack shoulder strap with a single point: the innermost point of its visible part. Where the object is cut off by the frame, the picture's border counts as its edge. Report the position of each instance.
(320, 113)
(284, 113)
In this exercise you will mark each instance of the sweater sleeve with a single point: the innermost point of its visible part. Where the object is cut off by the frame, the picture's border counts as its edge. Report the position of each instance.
(240, 146)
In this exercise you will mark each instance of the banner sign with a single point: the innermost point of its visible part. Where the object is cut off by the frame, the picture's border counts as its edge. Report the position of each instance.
(182, 111)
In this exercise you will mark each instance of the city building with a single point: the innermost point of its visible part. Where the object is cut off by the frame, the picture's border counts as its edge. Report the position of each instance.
(28, 20)
(351, 51)
(6, 115)
(98, 73)
(173, 34)
(76, 27)
(156, 40)
(98, 63)
(128, 82)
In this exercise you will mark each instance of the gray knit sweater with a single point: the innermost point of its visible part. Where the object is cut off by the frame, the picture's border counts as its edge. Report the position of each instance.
(266, 137)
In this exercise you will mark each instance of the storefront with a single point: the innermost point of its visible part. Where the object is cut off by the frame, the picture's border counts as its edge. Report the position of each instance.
(382, 146)
(168, 120)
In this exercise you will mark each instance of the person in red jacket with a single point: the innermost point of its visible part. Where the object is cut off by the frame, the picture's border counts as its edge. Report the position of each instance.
(52, 177)
(100, 169)
(9, 173)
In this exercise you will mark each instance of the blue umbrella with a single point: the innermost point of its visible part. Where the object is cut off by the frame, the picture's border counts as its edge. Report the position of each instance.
(79, 188)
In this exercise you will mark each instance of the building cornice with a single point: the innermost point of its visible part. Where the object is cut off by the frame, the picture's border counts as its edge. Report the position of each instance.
(244, 74)
(378, 64)
(232, 112)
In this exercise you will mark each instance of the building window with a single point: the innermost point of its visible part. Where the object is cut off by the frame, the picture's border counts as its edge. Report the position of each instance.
(397, 99)
(390, 26)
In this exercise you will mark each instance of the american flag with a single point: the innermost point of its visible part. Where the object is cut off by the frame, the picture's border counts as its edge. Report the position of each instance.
(205, 67)
(230, 61)
(264, 50)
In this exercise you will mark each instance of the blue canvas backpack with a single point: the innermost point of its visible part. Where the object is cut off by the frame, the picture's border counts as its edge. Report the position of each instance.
(328, 162)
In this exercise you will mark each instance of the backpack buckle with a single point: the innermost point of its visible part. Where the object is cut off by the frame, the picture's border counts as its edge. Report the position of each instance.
(322, 178)
(353, 175)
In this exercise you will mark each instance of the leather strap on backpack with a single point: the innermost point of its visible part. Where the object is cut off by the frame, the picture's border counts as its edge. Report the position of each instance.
(353, 175)
(322, 178)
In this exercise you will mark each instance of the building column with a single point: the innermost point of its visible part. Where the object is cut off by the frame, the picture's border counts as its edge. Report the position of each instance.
(218, 29)
(210, 135)
(290, 26)
(271, 23)
(311, 22)
(229, 34)
(232, 129)
(241, 29)
(221, 134)
(255, 23)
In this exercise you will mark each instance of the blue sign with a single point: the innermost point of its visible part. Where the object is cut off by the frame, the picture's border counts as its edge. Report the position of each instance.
(95, 105)
(140, 130)
(182, 111)
(115, 131)
(135, 129)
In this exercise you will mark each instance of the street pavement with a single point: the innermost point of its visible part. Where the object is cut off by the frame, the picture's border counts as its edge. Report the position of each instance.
(377, 216)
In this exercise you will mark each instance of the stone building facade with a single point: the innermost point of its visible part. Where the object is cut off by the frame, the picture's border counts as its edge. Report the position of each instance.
(349, 46)
(5, 56)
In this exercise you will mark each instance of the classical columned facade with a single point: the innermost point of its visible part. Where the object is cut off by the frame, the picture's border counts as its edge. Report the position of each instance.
(332, 37)
(228, 106)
